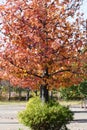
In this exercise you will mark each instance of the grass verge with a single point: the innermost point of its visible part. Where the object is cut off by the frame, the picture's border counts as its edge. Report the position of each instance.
(70, 103)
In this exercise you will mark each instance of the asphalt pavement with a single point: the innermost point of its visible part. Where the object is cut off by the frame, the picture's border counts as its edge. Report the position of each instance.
(80, 118)
(9, 120)
(8, 117)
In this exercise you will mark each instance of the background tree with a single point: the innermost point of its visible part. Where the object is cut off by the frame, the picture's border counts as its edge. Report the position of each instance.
(41, 46)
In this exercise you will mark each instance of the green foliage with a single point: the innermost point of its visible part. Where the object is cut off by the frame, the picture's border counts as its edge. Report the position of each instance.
(70, 93)
(82, 89)
(74, 92)
(49, 116)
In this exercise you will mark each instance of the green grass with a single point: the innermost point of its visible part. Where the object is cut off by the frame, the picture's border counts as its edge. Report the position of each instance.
(70, 103)
(66, 103)
(12, 102)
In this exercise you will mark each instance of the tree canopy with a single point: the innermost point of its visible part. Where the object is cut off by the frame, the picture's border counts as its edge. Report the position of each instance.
(40, 45)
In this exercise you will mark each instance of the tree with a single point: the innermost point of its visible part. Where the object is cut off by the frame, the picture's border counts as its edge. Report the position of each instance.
(41, 46)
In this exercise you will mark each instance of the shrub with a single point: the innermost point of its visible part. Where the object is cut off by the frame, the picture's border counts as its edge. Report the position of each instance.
(82, 88)
(49, 116)
(74, 92)
(70, 93)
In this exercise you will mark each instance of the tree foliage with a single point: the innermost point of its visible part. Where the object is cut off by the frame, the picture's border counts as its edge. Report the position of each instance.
(74, 92)
(39, 45)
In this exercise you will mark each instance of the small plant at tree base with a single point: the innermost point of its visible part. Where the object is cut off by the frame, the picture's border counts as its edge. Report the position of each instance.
(47, 116)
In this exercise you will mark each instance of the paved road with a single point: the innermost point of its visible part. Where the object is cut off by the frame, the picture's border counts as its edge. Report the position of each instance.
(8, 117)
(9, 121)
(80, 119)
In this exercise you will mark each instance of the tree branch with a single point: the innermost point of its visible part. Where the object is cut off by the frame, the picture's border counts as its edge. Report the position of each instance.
(28, 72)
(59, 71)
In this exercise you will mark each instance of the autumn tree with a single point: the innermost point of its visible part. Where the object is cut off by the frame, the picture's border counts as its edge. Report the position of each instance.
(40, 45)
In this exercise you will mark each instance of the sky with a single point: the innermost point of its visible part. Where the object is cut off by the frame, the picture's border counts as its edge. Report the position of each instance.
(84, 8)
(2, 1)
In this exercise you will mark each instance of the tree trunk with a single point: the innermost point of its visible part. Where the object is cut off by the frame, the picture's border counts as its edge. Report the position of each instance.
(51, 94)
(36, 92)
(27, 95)
(44, 93)
(20, 94)
(9, 93)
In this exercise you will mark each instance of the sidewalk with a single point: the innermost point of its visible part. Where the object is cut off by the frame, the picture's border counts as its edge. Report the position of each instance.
(8, 117)
(9, 121)
(80, 118)
(12, 127)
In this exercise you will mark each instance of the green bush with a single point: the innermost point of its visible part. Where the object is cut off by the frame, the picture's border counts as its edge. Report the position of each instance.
(49, 116)
(82, 89)
(70, 93)
(74, 92)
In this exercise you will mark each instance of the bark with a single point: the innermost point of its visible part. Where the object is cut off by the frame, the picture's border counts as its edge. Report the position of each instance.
(36, 92)
(9, 93)
(51, 94)
(27, 95)
(44, 93)
(20, 94)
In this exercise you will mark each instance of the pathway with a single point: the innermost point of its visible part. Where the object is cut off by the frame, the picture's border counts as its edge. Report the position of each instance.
(80, 119)
(9, 121)
(8, 117)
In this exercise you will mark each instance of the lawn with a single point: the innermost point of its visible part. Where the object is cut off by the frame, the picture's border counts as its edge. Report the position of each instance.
(70, 103)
